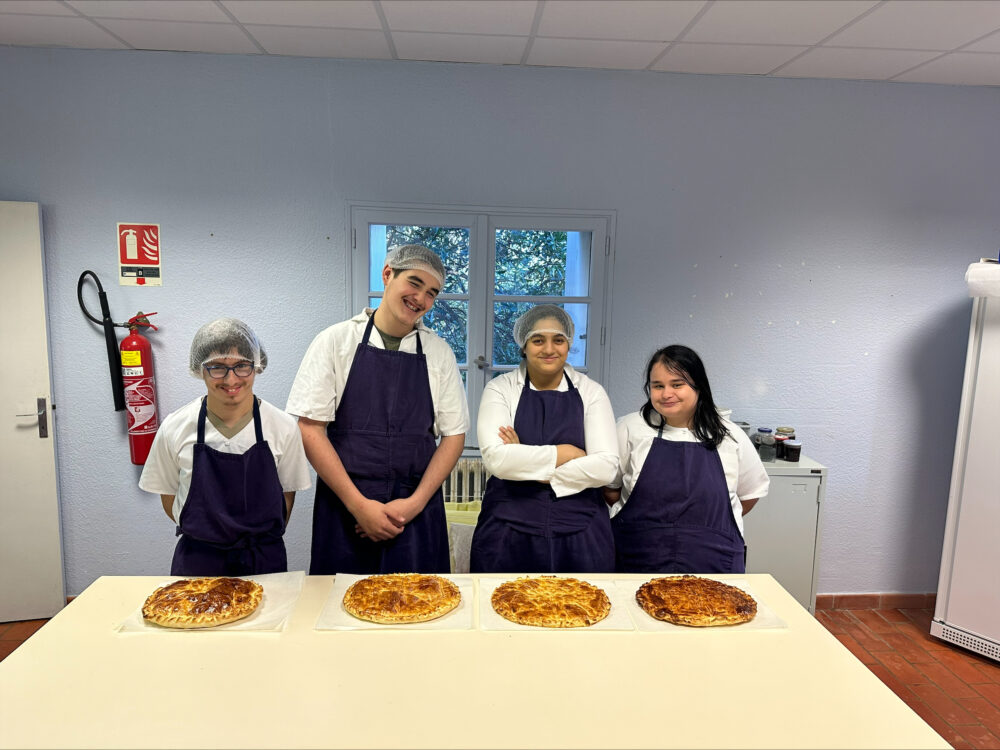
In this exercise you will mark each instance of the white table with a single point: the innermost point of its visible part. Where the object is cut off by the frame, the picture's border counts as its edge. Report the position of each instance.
(79, 683)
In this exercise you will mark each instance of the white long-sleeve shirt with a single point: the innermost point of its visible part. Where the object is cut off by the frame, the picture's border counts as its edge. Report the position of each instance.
(538, 462)
(746, 478)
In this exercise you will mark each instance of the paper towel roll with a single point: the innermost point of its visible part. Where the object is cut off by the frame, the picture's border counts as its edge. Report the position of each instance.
(983, 279)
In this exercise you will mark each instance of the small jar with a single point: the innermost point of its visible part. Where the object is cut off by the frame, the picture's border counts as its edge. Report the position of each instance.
(745, 426)
(793, 450)
(765, 444)
(788, 433)
(779, 446)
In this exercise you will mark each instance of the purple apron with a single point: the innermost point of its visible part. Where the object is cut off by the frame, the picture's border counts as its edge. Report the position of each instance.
(678, 518)
(523, 527)
(234, 514)
(383, 433)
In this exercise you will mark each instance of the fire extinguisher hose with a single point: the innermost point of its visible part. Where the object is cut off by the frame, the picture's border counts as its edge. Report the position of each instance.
(110, 340)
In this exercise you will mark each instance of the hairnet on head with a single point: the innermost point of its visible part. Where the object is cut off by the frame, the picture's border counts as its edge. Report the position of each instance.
(218, 340)
(418, 257)
(527, 324)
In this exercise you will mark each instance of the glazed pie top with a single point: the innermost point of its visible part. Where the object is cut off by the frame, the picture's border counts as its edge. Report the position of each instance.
(696, 601)
(550, 602)
(202, 602)
(401, 597)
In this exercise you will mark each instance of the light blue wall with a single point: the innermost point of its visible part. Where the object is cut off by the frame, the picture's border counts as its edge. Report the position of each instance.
(808, 238)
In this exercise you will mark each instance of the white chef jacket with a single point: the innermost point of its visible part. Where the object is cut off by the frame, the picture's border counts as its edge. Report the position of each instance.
(538, 462)
(745, 475)
(168, 468)
(322, 376)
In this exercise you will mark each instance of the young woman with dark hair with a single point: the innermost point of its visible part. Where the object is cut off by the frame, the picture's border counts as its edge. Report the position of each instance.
(687, 476)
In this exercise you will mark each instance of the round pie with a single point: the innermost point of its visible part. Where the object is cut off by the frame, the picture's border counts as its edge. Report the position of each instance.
(401, 597)
(696, 601)
(550, 602)
(202, 602)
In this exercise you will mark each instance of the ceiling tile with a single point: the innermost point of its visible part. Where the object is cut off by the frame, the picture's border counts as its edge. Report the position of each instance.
(922, 24)
(36, 7)
(344, 14)
(478, 48)
(626, 19)
(583, 53)
(55, 31)
(726, 59)
(989, 44)
(481, 17)
(968, 68)
(775, 21)
(182, 37)
(864, 64)
(355, 43)
(152, 10)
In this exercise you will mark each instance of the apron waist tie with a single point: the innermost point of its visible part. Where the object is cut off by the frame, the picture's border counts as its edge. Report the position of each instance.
(238, 552)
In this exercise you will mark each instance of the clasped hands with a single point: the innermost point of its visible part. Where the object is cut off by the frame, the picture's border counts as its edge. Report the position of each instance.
(382, 521)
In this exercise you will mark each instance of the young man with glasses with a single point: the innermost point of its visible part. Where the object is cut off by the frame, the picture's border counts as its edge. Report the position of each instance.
(228, 464)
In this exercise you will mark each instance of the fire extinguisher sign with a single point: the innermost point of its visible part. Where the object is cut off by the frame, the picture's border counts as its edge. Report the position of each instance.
(139, 255)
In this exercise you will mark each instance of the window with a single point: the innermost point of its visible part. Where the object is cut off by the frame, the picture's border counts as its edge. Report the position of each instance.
(499, 263)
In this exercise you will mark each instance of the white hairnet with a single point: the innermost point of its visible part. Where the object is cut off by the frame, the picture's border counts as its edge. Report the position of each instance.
(527, 324)
(418, 257)
(218, 340)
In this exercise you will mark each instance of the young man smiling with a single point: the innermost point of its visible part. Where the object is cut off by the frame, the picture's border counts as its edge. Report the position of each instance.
(227, 465)
(372, 395)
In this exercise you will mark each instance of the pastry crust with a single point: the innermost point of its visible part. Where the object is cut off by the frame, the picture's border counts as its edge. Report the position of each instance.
(202, 602)
(695, 601)
(550, 602)
(401, 597)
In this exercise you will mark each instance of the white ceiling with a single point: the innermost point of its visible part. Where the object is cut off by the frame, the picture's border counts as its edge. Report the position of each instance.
(929, 41)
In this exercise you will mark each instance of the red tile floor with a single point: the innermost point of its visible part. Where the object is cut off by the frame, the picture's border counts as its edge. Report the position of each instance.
(956, 691)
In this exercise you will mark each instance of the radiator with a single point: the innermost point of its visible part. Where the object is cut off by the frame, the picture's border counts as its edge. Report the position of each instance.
(466, 482)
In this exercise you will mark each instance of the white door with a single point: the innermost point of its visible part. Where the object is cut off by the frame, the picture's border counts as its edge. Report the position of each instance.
(31, 570)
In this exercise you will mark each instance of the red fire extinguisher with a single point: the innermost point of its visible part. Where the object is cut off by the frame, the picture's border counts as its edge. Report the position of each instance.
(140, 388)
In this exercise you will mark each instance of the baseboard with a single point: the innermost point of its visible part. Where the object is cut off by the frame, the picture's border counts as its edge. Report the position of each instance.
(875, 601)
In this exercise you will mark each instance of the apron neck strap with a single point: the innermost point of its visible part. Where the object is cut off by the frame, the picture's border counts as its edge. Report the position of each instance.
(368, 329)
(257, 424)
(203, 414)
(371, 325)
(569, 382)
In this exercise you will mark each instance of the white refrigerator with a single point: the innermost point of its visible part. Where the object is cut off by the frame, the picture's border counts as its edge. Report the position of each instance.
(967, 612)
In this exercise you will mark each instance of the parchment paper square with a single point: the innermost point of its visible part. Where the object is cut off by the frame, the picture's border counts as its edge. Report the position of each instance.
(617, 619)
(335, 617)
(764, 620)
(281, 591)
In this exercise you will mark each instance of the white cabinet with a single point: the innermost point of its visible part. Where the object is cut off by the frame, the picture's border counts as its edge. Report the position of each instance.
(782, 531)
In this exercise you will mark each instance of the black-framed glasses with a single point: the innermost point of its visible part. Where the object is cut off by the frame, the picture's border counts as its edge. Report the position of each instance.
(218, 372)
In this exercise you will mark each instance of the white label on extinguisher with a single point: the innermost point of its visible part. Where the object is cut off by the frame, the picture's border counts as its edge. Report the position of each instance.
(132, 372)
(140, 406)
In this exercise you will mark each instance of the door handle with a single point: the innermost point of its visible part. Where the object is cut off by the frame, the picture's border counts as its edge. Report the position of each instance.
(41, 416)
(480, 362)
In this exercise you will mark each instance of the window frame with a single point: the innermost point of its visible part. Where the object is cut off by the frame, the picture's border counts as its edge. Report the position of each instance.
(482, 223)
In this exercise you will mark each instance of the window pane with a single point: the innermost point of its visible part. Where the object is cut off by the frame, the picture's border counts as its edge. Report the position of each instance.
(531, 262)
(451, 243)
(449, 319)
(506, 351)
